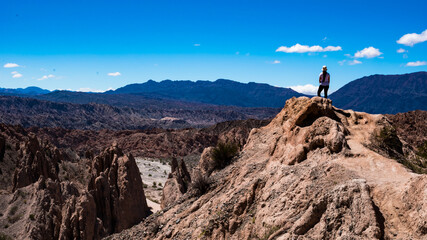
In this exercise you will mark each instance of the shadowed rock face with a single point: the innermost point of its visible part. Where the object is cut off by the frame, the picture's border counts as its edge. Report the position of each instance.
(117, 189)
(177, 184)
(47, 202)
(307, 175)
(36, 161)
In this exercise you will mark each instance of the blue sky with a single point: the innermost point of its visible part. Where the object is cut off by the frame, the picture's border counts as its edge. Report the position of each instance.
(98, 45)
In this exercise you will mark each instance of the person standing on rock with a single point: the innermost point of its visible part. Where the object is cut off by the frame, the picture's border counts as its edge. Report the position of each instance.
(324, 79)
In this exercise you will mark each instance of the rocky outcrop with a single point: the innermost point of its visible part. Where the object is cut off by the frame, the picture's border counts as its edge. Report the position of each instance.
(178, 183)
(61, 212)
(116, 186)
(304, 126)
(36, 160)
(309, 174)
(206, 164)
(50, 200)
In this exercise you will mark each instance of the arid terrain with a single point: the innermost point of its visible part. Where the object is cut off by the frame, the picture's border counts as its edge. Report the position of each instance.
(314, 171)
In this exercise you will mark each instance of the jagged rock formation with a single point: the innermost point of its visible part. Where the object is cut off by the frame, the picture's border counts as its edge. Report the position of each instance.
(61, 212)
(37, 160)
(206, 164)
(50, 199)
(178, 182)
(312, 173)
(117, 189)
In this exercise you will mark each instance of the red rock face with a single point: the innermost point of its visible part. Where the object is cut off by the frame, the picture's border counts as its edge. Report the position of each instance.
(118, 190)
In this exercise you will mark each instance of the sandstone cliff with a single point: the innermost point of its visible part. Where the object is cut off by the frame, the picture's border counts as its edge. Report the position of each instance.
(315, 172)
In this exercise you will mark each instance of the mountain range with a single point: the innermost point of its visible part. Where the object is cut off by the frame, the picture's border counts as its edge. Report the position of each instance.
(181, 104)
(384, 93)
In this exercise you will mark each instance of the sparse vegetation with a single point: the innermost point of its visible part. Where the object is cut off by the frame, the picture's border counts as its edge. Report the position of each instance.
(13, 210)
(389, 141)
(201, 184)
(270, 231)
(14, 219)
(150, 175)
(3, 236)
(422, 150)
(223, 154)
(32, 218)
(145, 185)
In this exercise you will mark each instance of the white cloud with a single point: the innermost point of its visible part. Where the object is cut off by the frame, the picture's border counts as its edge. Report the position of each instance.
(298, 48)
(354, 62)
(197, 44)
(401, 50)
(416, 64)
(305, 89)
(46, 77)
(10, 65)
(369, 52)
(92, 90)
(276, 62)
(16, 74)
(115, 74)
(411, 39)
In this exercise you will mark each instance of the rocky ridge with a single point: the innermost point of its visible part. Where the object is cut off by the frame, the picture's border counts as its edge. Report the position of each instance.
(312, 173)
(158, 143)
(50, 198)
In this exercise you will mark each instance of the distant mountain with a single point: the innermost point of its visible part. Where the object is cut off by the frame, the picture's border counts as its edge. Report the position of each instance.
(29, 91)
(219, 92)
(384, 93)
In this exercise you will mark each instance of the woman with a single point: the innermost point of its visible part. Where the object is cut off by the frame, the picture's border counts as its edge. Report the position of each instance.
(324, 79)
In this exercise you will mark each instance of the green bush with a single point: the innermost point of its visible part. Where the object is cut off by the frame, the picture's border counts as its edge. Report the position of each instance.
(422, 150)
(223, 154)
(390, 142)
(13, 210)
(201, 184)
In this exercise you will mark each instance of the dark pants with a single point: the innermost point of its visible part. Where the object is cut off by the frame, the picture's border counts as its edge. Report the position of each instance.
(320, 90)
